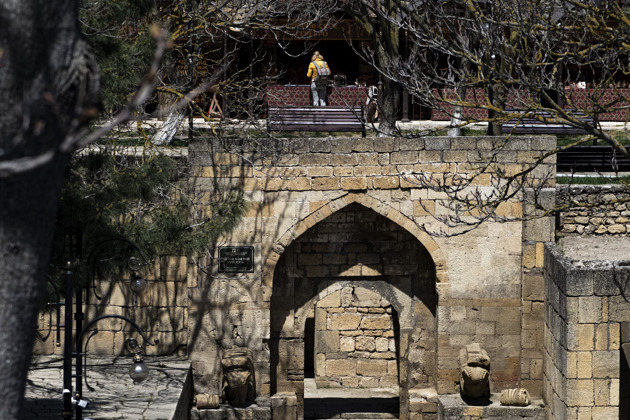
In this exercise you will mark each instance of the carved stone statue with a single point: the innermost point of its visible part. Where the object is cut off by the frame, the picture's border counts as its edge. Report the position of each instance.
(239, 380)
(475, 372)
(515, 396)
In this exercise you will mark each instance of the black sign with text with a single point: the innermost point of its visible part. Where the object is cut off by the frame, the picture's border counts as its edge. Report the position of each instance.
(236, 259)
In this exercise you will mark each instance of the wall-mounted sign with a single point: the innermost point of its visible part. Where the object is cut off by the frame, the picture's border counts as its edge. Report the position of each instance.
(236, 259)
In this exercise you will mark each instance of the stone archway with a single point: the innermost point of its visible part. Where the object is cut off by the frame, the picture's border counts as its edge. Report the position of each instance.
(355, 248)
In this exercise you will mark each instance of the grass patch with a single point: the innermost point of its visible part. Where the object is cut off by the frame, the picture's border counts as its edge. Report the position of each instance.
(619, 135)
(592, 180)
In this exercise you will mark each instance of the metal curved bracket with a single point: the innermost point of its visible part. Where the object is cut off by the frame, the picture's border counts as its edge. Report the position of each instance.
(57, 305)
(133, 263)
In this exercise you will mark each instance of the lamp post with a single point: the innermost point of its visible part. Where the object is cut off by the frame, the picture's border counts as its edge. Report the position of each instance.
(73, 402)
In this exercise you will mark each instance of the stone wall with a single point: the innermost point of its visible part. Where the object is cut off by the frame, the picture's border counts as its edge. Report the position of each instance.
(594, 210)
(355, 346)
(486, 282)
(584, 312)
(161, 311)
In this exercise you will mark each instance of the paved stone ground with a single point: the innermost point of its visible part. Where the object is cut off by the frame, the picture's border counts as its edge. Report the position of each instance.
(114, 396)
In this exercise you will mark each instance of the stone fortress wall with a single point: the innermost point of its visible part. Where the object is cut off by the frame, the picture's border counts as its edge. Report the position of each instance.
(342, 234)
(319, 196)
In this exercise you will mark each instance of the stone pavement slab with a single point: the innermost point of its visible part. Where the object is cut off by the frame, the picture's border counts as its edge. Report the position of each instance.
(113, 394)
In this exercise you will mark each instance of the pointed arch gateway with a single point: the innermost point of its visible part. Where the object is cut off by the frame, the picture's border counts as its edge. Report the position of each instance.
(354, 302)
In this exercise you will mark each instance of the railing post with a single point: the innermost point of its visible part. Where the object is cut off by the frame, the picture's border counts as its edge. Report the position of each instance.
(405, 106)
(67, 348)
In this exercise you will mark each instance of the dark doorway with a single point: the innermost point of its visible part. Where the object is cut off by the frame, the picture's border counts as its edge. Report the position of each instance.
(340, 57)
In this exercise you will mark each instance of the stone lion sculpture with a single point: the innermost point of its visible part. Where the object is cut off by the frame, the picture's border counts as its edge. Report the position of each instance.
(239, 379)
(475, 372)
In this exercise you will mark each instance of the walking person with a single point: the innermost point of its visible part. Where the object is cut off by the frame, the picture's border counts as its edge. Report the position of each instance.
(319, 72)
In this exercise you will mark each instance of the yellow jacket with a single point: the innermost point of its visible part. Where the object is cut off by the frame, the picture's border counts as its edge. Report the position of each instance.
(312, 70)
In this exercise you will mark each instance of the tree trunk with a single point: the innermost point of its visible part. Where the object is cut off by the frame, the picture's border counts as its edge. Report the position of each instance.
(164, 136)
(48, 85)
(455, 130)
(390, 108)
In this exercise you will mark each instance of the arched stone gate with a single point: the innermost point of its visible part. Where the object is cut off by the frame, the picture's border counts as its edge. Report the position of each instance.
(356, 260)
(317, 198)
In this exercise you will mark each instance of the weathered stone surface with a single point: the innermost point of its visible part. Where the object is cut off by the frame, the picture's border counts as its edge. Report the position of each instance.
(344, 321)
(341, 367)
(376, 322)
(376, 368)
(327, 341)
(365, 344)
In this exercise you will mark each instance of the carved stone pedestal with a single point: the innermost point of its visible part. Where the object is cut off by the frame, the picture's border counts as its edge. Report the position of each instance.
(452, 407)
(261, 410)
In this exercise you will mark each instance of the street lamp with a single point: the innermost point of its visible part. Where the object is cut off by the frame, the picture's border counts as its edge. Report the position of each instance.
(74, 402)
(137, 284)
(138, 371)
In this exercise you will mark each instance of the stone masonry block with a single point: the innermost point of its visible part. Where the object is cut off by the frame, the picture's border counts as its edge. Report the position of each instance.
(606, 364)
(379, 322)
(581, 337)
(365, 343)
(341, 367)
(326, 341)
(333, 300)
(580, 392)
(589, 309)
(325, 184)
(438, 143)
(539, 229)
(618, 309)
(347, 344)
(385, 182)
(601, 337)
(584, 365)
(533, 286)
(372, 367)
(579, 282)
(344, 321)
(354, 183)
(602, 392)
(405, 157)
(604, 280)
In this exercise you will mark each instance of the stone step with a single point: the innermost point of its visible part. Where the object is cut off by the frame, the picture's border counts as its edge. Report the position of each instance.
(357, 416)
(350, 408)
(354, 416)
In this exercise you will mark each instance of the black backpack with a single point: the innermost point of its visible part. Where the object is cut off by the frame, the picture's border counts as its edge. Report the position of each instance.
(323, 73)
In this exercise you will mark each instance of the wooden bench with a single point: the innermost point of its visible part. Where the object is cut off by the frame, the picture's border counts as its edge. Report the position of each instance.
(310, 118)
(591, 159)
(549, 124)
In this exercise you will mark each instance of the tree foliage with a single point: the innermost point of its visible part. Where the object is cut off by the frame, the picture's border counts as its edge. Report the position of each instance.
(110, 194)
(539, 50)
(118, 32)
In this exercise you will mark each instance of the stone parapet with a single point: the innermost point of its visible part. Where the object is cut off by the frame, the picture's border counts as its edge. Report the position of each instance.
(594, 210)
(584, 311)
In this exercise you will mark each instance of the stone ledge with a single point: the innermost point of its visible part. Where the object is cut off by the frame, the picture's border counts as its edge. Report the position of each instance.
(452, 407)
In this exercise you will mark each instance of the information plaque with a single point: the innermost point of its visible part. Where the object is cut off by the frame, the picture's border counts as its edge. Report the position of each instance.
(236, 259)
